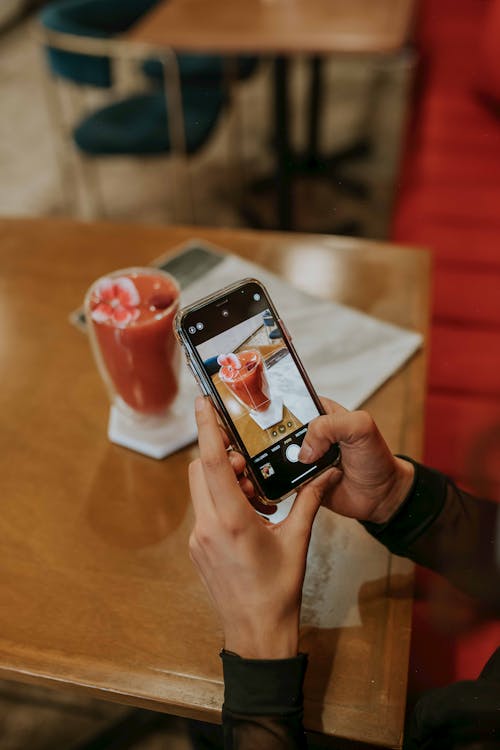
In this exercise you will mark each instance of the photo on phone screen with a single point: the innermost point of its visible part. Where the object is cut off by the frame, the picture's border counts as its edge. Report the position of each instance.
(253, 372)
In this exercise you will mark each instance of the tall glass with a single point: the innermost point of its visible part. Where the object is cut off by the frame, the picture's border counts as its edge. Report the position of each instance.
(248, 382)
(130, 321)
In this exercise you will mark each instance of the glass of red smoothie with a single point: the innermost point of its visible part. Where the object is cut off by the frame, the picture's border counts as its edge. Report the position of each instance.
(245, 376)
(130, 320)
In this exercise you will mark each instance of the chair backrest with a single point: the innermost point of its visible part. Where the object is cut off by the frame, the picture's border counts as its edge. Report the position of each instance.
(99, 19)
(111, 47)
(118, 48)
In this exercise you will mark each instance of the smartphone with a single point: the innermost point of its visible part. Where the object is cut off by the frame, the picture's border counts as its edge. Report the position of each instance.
(242, 356)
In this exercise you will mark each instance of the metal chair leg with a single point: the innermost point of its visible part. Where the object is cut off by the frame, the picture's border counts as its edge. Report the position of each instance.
(177, 133)
(85, 166)
(89, 176)
(68, 188)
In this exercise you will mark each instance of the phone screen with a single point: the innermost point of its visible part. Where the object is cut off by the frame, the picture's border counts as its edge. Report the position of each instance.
(259, 383)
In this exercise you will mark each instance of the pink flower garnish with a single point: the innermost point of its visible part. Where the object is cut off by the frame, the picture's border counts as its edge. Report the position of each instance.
(229, 360)
(116, 302)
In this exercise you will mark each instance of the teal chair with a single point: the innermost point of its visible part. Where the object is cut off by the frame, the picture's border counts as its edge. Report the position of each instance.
(101, 19)
(106, 18)
(204, 69)
(178, 119)
(139, 125)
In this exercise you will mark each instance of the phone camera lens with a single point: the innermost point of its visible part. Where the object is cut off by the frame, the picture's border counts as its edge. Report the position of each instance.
(192, 330)
(225, 313)
(256, 296)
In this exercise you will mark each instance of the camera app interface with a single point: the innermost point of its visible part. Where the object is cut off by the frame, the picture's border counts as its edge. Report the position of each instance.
(264, 393)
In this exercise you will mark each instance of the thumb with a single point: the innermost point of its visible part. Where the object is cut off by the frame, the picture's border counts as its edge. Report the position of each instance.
(339, 427)
(327, 480)
(332, 407)
(308, 501)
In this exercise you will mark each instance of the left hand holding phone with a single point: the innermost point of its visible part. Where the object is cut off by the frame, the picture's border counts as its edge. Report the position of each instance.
(253, 570)
(372, 483)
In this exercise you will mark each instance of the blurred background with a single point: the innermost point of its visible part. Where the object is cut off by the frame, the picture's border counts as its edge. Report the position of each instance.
(405, 147)
(56, 162)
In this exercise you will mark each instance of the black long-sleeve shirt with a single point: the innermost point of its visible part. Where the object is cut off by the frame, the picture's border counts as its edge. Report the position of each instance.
(442, 528)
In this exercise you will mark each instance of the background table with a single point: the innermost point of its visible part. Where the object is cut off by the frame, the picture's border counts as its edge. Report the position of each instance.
(283, 28)
(276, 27)
(97, 591)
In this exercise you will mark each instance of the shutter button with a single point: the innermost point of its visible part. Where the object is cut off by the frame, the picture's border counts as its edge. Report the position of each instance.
(292, 453)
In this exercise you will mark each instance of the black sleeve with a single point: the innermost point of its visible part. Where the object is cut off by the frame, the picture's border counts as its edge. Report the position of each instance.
(263, 703)
(461, 716)
(450, 531)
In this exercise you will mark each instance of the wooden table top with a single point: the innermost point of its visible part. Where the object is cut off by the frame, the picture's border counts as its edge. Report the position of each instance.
(97, 591)
(278, 26)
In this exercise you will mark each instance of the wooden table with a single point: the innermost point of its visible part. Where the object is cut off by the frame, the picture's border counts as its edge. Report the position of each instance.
(274, 27)
(281, 28)
(97, 591)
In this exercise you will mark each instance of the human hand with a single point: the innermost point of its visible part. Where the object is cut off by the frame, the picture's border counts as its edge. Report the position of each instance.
(253, 570)
(239, 465)
(371, 483)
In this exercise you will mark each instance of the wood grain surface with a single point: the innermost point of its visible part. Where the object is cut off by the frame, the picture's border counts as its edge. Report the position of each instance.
(278, 26)
(97, 590)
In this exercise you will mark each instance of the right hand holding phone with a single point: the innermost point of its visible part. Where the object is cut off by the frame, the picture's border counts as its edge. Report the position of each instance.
(253, 569)
(371, 483)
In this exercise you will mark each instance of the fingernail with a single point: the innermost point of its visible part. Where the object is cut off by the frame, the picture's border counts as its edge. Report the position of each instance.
(306, 453)
(199, 403)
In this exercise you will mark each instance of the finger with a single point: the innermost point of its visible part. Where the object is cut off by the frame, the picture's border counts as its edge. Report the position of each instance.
(239, 465)
(200, 494)
(327, 481)
(237, 461)
(326, 485)
(339, 427)
(247, 487)
(217, 469)
(332, 407)
(304, 509)
(225, 436)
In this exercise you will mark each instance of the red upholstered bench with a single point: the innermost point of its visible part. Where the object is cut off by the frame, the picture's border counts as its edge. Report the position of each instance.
(449, 201)
(468, 296)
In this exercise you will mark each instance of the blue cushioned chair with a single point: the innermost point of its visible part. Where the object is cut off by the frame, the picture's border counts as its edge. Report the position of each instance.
(139, 125)
(91, 18)
(212, 366)
(272, 330)
(106, 18)
(179, 120)
(202, 69)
